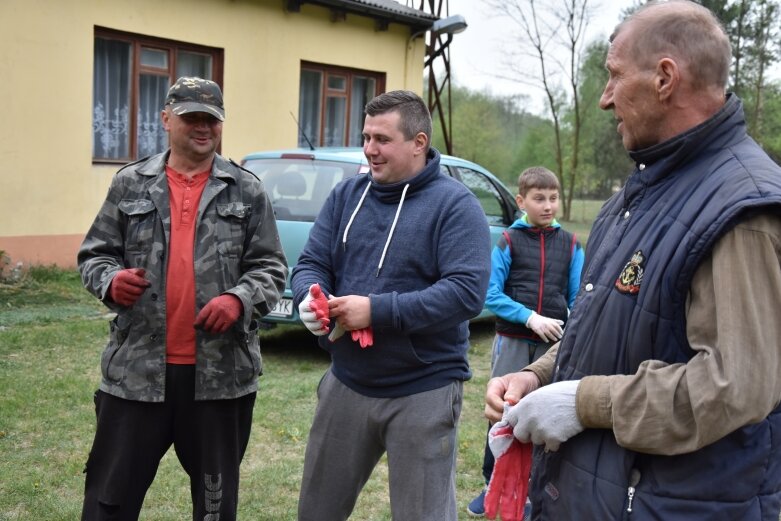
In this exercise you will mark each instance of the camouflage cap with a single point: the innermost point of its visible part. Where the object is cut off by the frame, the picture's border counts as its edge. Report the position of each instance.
(190, 94)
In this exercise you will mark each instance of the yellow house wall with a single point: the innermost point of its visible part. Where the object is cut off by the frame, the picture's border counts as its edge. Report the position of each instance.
(50, 190)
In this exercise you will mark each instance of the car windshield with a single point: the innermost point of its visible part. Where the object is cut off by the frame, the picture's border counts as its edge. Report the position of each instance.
(298, 187)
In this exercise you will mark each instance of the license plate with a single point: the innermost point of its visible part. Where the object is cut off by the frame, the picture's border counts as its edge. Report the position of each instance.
(283, 309)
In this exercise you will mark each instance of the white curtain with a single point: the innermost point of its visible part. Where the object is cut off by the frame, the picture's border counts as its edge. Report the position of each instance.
(309, 107)
(364, 89)
(193, 64)
(151, 137)
(111, 102)
(335, 121)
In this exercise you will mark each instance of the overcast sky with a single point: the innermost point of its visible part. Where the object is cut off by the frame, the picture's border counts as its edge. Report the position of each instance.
(476, 55)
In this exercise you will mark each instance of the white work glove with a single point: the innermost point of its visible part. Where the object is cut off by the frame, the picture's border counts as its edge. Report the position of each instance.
(315, 322)
(336, 333)
(549, 329)
(547, 415)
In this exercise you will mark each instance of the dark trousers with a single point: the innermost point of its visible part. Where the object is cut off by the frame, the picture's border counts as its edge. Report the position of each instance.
(508, 355)
(209, 438)
(488, 459)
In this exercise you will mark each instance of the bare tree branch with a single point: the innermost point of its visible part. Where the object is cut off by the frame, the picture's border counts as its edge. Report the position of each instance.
(544, 33)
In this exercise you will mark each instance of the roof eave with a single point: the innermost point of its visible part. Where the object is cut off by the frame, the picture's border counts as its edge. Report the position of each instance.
(416, 22)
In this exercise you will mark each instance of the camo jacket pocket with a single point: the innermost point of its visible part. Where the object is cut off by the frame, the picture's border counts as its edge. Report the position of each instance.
(140, 217)
(231, 231)
(232, 225)
(248, 361)
(112, 360)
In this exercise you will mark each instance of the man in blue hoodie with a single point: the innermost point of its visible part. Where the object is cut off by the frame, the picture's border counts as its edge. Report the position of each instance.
(403, 255)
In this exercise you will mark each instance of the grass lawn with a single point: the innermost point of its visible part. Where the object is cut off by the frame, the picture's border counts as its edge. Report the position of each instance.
(581, 218)
(51, 336)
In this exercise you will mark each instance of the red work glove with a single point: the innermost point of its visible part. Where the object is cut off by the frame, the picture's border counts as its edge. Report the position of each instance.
(319, 304)
(314, 312)
(219, 314)
(364, 337)
(127, 285)
(509, 485)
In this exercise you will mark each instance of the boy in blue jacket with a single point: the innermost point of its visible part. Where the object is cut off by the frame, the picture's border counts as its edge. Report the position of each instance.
(535, 274)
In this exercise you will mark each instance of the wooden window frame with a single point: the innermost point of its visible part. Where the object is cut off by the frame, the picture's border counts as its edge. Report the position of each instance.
(325, 92)
(137, 42)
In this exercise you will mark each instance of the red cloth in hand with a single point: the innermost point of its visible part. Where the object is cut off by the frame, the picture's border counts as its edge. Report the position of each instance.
(364, 337)
(319, 305)
(127, 285)
(509, 485)
(219, 314)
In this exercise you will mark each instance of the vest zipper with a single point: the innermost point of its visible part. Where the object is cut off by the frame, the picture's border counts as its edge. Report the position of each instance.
(542, 271)
(634, 479)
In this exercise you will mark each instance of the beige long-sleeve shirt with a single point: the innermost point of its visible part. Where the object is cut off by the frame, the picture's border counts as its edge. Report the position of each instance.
(733, 325)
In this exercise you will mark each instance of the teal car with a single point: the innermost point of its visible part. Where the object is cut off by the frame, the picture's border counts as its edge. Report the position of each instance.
(299, 180)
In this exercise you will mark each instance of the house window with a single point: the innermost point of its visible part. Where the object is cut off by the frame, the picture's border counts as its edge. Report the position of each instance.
(331, 104)
(131, 76)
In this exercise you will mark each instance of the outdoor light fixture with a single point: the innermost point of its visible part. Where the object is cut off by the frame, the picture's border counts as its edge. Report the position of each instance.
(451, 25)
(435, 48)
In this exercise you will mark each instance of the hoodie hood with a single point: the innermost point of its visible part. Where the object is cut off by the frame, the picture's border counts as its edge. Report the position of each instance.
(395, 193)
(391, 193)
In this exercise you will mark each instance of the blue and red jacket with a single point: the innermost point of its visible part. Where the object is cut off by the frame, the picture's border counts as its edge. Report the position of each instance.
(533, 270)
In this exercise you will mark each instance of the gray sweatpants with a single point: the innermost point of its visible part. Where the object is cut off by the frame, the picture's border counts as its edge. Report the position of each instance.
(509, 355)
(350, 433)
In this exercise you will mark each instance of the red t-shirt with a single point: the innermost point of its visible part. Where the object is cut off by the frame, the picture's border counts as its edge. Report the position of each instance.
(185, 194)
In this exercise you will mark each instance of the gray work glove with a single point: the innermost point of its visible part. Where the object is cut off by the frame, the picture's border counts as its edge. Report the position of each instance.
(547, 415)
(549, 329)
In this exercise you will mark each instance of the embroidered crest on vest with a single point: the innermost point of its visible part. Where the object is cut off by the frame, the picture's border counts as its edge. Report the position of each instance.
(632, 275)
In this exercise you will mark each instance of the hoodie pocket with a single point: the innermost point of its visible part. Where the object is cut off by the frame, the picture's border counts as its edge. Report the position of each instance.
(391, 361)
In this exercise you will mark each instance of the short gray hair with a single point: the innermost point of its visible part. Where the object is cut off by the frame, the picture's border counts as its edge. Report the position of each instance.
(684, 30)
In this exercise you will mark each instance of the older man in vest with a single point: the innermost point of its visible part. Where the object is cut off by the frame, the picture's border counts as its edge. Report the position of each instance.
(662, 399)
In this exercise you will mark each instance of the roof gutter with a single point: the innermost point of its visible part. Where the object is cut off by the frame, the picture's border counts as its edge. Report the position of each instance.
(416, 20)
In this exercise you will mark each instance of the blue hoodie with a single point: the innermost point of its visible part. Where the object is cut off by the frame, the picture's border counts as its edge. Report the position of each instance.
(425, 277)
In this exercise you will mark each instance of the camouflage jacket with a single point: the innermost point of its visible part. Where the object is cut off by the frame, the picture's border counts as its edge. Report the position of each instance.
(237, 251)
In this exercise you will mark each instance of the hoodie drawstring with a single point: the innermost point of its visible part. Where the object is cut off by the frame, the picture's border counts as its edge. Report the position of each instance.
(392, 229)
(352, 217)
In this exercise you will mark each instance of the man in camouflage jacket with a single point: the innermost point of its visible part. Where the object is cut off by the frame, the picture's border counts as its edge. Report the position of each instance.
(235, 258)
(237, 251)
